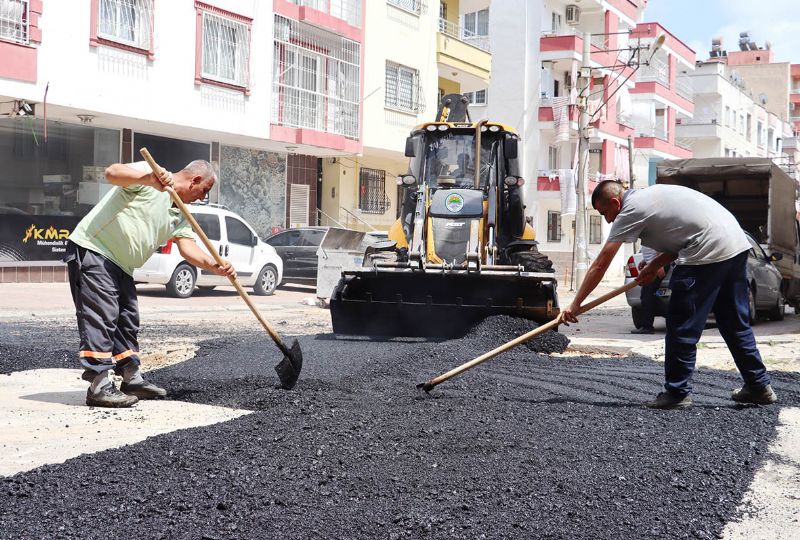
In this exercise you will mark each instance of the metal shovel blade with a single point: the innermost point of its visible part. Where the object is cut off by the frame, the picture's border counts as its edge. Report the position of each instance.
(288, 369)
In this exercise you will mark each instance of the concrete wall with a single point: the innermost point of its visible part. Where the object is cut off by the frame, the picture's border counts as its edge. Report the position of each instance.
(774, 80)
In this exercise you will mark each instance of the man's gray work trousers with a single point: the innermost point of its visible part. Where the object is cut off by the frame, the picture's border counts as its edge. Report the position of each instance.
(106, 308)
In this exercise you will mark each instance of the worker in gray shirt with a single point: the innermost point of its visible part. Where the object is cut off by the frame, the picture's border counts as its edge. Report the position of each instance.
(710, 251)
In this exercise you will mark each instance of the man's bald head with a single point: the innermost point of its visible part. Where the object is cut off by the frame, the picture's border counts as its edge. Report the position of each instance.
(607, 190)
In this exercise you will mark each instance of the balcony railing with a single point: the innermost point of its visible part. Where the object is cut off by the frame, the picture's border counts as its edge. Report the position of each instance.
(347, 10)
(598, 40)
(659, 132)
(657, 71)
(460, 33)
(684, 88)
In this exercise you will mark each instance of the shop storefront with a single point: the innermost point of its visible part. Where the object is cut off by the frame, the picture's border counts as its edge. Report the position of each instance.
(49, 180)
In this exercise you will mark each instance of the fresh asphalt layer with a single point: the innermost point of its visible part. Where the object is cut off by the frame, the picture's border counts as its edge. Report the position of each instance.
(524, 446)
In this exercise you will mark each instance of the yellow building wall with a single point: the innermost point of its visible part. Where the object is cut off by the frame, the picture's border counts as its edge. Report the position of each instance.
(449, 87)
(452, 10)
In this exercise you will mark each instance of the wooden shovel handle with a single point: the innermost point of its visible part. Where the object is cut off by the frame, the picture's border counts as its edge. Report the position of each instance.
(524, 337)
(213, 251)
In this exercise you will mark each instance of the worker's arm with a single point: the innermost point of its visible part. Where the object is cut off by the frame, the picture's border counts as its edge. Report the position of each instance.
(123, 176)
(593, 276)
(199, 258)
(655, 268)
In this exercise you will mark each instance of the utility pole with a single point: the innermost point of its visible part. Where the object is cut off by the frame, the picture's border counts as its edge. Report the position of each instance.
(632, 180)
(583, 161)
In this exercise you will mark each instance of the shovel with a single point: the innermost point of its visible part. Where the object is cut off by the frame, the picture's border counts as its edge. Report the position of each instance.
(431, 384)
(289, 368)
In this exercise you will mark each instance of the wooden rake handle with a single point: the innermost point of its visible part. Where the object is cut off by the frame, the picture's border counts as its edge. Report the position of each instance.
(523, 338)
(213, 251)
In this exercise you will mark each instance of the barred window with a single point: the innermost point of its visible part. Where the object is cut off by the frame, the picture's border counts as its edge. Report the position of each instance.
(595, 230)
(14, 20)
(402, 88)
(126, 21)
(226, 49)
(372, 197)
(347, 10)
(316, 79)
(553, 226)
(413, 6)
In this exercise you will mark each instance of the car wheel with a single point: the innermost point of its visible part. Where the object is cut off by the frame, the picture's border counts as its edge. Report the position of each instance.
(751, 301)
(777, 313)
(181, 284)
(638, 317)
(267, 281)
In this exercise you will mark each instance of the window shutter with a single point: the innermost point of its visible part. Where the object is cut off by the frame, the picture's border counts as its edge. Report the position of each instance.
(298, 205)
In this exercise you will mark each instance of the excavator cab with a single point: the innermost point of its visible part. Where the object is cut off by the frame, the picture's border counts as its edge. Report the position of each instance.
(461, 249)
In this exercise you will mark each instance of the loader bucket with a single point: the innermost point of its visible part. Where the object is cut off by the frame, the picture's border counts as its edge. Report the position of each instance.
(431, 304)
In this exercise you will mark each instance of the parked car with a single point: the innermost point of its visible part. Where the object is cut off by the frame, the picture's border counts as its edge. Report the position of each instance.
(298, 250)
(257, 263)
(766, 299)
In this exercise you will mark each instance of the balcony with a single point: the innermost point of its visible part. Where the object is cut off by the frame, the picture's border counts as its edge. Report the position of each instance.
(657, 71)
(464, 52)
(566, 44)
(453, 30)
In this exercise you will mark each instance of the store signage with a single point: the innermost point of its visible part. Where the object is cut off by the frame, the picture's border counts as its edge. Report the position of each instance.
(34, 238)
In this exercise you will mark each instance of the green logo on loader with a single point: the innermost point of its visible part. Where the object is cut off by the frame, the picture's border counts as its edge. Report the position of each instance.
(454, 202)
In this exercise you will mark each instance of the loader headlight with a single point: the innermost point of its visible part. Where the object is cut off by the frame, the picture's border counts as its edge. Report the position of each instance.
(494, 128)
(443, 127)
(406, 180)
(431, 128)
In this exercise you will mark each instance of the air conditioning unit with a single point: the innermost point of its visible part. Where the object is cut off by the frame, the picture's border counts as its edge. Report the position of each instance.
(573, 14)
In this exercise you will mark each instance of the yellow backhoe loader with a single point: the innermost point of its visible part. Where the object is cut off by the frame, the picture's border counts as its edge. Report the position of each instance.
(461, 249)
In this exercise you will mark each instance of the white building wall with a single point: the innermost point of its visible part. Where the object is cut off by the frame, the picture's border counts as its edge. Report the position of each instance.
(154, 96)
(406, 38)
(515, 30)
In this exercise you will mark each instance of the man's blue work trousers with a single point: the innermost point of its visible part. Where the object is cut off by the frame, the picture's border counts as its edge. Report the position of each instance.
(696, 291)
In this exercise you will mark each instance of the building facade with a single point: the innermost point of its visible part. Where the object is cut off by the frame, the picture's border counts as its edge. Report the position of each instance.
(263, 90)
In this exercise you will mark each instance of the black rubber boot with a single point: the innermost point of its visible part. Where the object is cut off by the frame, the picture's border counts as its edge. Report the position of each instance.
(670, 400)
(760, 395)
(109, 396)
(143, 390)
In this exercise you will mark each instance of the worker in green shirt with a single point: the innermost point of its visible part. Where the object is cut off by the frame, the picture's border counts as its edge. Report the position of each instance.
(118, 235)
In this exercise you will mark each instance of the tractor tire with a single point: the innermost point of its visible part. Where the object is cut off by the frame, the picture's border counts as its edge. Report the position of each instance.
(532, 261)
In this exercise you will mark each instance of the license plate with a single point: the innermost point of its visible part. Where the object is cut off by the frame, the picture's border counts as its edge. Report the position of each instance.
(663, 292)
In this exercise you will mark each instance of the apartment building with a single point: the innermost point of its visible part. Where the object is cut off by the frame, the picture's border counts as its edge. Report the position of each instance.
(794, 98)
(416, 52)
(262, 89)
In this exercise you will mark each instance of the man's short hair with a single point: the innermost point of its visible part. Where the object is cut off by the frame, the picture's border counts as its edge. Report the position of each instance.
(202, 168)
(607, 189)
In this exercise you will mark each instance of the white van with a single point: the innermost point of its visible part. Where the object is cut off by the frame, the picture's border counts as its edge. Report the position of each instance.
(257, 264)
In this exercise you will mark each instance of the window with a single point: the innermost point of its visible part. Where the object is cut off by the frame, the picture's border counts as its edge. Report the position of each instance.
(760, 134)
(595, 230)
(288, 238)
(312, 237)
(226, 50)
(749, 127)
(126, 21)
(402, 88)
(727, 116)
(238, 233)
(442, 10)
(553, 226)
(14, 20)
(476, 23)
(555, 23)
(372, 197)
(210, 225)
(552, 158)
(413, 6)
(476, 98)
(316, 79)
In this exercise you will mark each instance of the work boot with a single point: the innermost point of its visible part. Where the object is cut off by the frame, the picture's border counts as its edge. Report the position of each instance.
(108, 396)
(760, 395)
(143, 390)
(670, 400)
(650, 330)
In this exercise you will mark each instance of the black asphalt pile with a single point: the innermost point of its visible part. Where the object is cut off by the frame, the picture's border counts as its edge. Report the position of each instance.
(524, 446)
(500, 329)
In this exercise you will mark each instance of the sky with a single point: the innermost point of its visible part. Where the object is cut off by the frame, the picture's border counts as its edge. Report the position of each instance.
(696, 22)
